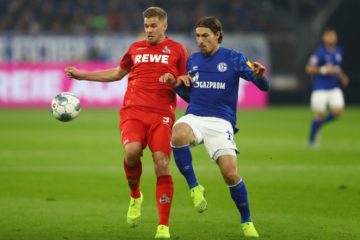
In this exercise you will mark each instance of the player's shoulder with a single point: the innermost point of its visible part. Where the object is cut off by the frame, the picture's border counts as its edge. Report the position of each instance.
(175, 44)
(235, 56)
(321, 50)
(138, 44)
(170, 40)
(339, 50)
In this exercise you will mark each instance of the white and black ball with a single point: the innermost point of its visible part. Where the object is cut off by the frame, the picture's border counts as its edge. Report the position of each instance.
(65, 106)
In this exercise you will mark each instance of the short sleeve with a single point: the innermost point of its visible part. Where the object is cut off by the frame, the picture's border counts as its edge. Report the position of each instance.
(182, 61)
(126, 62)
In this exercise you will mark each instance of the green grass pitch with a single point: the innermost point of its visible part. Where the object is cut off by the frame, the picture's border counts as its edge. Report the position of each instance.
(64, 181)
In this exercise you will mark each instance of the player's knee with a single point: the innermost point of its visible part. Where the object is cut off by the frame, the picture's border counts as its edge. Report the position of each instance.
(133, 153)
(319, 115)
(231, 178)
(337, 113)
(161, 163)
(180, 135)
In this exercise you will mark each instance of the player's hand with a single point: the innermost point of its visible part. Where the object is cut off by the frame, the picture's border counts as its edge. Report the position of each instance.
(332, 70)
(73, 72)
(184, 79)
(168, 78)
(258, 70)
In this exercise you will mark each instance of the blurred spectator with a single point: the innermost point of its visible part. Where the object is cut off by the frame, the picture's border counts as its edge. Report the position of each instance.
(81, 16)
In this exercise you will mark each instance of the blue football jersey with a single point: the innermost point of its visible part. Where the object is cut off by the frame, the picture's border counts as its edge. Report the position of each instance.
(323, 57)
(214, 91)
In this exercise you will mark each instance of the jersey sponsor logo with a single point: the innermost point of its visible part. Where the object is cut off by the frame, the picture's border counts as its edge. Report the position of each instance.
(210, 85)
(195, 78)
(152, 58)
(222, 67)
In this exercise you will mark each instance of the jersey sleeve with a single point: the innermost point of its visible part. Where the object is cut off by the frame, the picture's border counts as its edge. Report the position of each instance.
(243, 67)
(314, 59)
(183, 91)
(182, 61)
(126, 62)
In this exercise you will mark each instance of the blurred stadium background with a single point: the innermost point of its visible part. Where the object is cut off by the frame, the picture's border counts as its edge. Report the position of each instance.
(65, 181)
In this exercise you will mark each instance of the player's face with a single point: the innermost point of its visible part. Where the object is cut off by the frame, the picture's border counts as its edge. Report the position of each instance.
(330, 38)
(207, 40)
(154, 29)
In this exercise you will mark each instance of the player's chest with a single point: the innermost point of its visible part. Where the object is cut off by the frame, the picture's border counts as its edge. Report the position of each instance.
(218, 71)
(158, 56)
(332, 58)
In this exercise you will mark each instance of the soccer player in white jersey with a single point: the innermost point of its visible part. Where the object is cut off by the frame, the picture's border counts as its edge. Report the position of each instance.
(212, 93)
(328, 77)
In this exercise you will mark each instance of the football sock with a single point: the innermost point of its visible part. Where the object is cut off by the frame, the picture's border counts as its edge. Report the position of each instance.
(133, 175)
(330, 117)
(164, 194)
(239, 195)
(183, 160)
(315, 126)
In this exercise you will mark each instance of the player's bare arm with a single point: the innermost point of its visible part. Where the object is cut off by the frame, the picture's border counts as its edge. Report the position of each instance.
(108, 75)
(323, 70)
(344, 79)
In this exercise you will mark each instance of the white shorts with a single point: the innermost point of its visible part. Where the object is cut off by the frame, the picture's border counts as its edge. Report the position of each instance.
(216, 134)
(333, 98)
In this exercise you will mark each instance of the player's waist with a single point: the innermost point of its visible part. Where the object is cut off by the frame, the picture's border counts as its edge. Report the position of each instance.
(149, 85)
(215, 112)
(144, 108)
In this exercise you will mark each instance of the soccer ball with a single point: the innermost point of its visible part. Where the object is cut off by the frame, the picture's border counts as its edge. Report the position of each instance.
(65, 106)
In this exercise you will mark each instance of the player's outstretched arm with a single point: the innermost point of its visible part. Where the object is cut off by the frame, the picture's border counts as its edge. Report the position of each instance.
(344, 79)
(108, 75)
(260, 80)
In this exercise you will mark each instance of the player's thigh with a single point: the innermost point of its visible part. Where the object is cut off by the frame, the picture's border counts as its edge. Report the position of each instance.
(196, 125)
(336, 99)
(319, 100)
(132, 129)
(159, 133)
(218, 137)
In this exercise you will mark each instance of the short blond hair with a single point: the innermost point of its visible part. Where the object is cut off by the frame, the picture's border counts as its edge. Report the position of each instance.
(155, 12)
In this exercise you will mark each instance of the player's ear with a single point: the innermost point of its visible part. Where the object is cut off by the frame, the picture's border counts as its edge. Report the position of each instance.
(165, 26)
(217, 34)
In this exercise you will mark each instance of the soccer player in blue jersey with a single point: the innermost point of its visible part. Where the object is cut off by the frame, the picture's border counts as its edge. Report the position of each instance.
(328, 77)
(213, 80)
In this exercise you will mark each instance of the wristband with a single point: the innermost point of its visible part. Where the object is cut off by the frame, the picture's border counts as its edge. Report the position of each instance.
(323, 70)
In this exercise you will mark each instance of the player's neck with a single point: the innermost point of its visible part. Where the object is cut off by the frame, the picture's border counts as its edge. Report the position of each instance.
(330, 47)
(212, 52)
